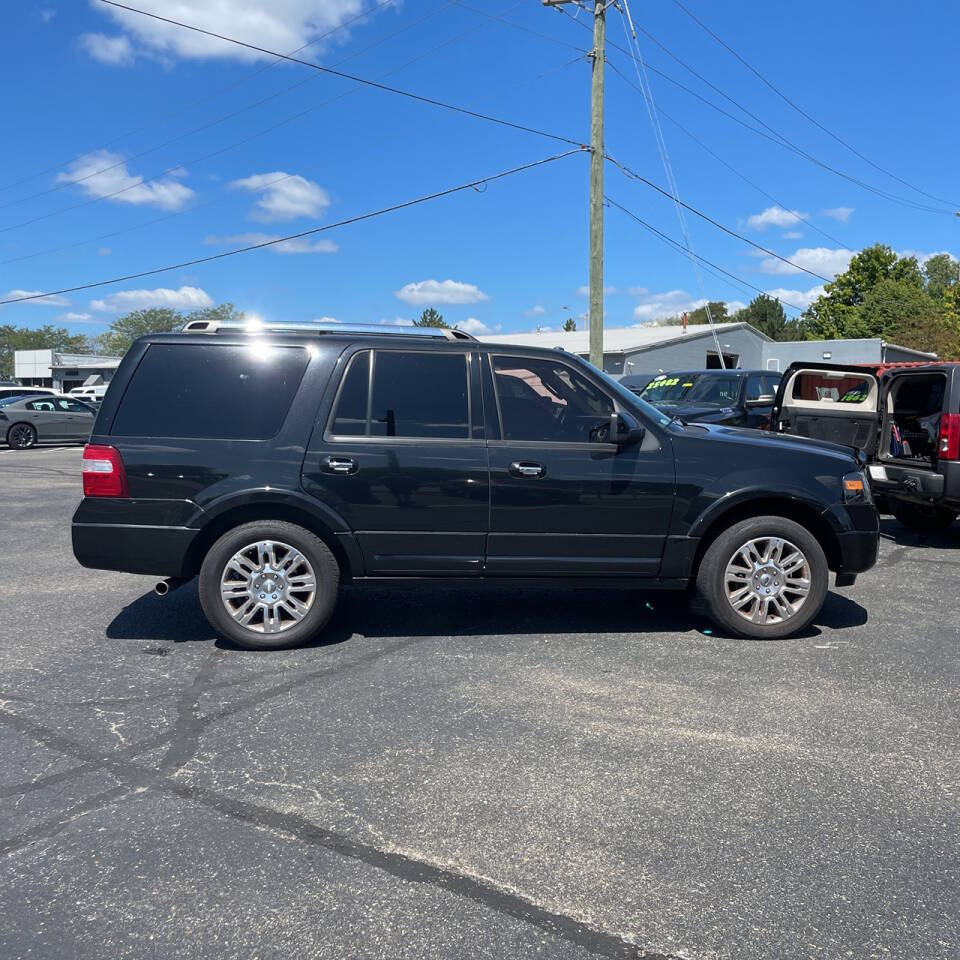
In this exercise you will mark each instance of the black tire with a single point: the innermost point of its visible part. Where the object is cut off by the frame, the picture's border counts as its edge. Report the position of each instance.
(21, 436)
(712, 581)
(923, 518)
(318, 560)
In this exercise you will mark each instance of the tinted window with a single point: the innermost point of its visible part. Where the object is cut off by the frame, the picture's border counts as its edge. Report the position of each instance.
(215, 392)
(761, 385)
(420, 395)
(549, 401)
(838, 387)
(75, 406)
(350, 417)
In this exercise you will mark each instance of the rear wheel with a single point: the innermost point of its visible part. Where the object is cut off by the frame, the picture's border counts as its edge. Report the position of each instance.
(21, 436)
(764, 578)
(924, 518)
(269, 584)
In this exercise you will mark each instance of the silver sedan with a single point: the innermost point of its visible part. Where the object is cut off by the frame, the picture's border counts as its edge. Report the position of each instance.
(26, 421)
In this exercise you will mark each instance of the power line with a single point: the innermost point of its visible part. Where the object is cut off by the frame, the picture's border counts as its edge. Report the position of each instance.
(473, 184)
(65, 183)
(231, 146)
(774, 136)
(744, 284)
(420, 56)
(729, 166)
(638, 63)
(804, 113)
(197, 102)
(633, 175)
(353, 78)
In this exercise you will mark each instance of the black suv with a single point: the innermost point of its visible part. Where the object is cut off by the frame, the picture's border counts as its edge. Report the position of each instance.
(739, 398)
(281, 462)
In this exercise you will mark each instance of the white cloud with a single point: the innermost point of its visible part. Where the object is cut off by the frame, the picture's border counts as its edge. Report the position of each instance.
(298, 245)
(666, 304)
(825, 261)
(536, 311)
(474, 326)
(584, 291)
(922, 257)
(115, 51)
(47, 15)
(186, 298)
(105, 174)
(39, 301)
(104, 252)
(637, 291)
(774, 217)
(282, 25)
(325, 320)
(284, 196)
(799, 298)
(71, 317)
(792, 235)
(427, 292)
(840, 214)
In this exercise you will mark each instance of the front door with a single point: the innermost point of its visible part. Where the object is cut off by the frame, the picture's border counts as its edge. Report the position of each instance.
(403, 460)
(562, 500)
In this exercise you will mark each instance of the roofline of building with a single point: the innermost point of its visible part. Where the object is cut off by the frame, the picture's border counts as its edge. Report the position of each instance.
(728, 327)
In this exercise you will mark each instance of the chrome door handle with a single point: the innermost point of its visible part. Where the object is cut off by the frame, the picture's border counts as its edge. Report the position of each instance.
(342, 465)
(524, 468)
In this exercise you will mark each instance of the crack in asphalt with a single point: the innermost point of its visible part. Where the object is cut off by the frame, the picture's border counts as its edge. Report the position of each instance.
(94, 760)
(409, 869)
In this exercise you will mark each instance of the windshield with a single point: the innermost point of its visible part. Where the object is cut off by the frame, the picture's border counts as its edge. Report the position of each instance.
(692, 388)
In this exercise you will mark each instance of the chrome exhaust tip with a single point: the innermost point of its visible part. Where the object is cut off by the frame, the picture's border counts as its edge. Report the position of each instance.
(163, 587)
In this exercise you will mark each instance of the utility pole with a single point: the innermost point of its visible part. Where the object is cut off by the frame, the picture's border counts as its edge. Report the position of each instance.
(597, 56)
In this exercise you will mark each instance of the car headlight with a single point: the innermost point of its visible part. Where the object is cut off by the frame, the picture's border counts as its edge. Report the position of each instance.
(856, 488)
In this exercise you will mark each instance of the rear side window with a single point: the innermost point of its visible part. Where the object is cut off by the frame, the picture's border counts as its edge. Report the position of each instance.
(411, 394)
(211, 392)
(840, 388)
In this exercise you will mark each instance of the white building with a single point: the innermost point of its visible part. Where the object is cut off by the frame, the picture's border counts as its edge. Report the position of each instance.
(648, 349)
(62, 371)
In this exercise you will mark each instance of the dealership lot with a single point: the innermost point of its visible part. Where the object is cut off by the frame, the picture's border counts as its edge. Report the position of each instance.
(471, 772)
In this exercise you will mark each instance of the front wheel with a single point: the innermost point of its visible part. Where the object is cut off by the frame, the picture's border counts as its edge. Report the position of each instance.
(764, 578)
(269, 584)
(21, 436)
(922, 517)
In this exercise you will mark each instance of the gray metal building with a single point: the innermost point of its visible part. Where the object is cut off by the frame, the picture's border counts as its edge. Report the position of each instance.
(652, 349)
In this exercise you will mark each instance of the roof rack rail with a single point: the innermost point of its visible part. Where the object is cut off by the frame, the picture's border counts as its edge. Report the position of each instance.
(374, 329)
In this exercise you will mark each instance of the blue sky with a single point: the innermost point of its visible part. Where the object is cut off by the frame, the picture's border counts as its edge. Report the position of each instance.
(100, 101)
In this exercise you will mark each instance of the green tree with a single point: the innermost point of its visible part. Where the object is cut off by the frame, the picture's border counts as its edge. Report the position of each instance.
(569, 325)
(718, 310)
(124, 330)
(767, 315)
(47, 337)
(431, 318)
(841, 312)
(942, 273)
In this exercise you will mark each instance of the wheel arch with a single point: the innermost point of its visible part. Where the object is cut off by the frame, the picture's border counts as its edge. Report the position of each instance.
(21, 423)
(808, 516)
(342, 545)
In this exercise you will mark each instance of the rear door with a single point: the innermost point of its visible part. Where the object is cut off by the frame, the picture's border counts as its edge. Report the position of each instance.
(832, 402)
(403, 459)
(50, 418)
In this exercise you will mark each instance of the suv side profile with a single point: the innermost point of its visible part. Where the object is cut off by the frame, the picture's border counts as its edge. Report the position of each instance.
(280, 463)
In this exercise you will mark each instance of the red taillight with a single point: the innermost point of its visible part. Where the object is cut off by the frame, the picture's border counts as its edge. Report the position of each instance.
(948, 447)
(103, 472)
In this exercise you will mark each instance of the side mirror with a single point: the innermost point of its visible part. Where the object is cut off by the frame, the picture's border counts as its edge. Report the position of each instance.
(625, 429)
(765, 401)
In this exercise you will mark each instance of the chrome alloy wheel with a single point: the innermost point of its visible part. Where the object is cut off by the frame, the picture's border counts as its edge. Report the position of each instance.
(268, 587)
(767, 580)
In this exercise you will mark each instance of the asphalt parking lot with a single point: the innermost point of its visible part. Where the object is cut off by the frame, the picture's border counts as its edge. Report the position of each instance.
(482, 772)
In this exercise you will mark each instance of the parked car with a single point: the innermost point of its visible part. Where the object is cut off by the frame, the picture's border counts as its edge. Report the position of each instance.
(26, 421)
(14, 391)
(904, 416)
(90, 394)
(280, 464)
(741, 398)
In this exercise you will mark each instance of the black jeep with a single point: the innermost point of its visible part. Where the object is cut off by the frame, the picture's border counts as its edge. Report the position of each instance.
(280, 462)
